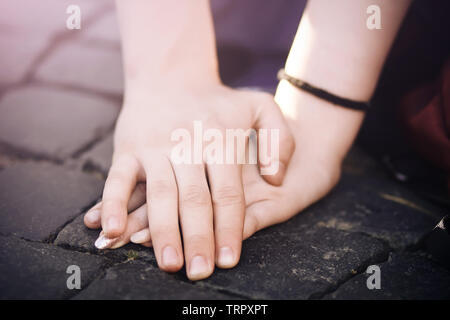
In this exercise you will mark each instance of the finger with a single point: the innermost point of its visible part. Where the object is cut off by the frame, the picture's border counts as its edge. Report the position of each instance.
(196, 219)
(141, 237)
(229, 208)
(92, 218)
(138, 197)
(147, 244)
(276, 144)
(162, 202)
(137, 220)
(253, 221)
(267, 212)
(117, 191)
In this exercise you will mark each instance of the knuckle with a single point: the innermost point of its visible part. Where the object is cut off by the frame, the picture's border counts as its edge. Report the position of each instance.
(161, 188)
(198, 239)
(160, 232)
(287, 143)
(112, 204)
(287, 140)
(253, 222)
(228, 233)
(226, 196)
(195, 196)
(122, 159)
(116, 176)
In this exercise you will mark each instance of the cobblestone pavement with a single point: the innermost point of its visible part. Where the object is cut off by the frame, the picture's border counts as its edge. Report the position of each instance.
(60, 92)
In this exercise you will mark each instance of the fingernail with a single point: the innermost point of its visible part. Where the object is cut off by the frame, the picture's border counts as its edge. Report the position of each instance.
(226, 258)
(118, 242)
(103, 242)
(169, 257)
(140, 236)
(112, 223)
(199, 268)
(93, 216)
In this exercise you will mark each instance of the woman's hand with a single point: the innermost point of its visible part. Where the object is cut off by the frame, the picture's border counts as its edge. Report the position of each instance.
(266, 205)
(205, 199)
(334, 53)
(171, 81)
(323, 135)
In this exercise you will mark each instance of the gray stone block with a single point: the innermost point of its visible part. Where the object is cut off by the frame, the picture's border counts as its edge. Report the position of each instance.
(27, 30)
(37, 199)
(297, 266)
(30, 270)
(100, 156)
(105, 29)
(86, 67)
(140, 280)
(53, 123)
(403, 276)
(77, 236)
(18, 55)
(44, 17)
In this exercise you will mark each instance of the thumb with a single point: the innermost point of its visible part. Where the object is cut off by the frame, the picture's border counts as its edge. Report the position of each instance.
(275, 141)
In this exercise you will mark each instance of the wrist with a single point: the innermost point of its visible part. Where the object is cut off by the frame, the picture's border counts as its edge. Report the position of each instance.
(326, 129)
(175, 75)
(170, 81)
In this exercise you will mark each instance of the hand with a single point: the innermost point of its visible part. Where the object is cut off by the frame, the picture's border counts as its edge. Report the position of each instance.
(206, 199)
(314, 170)
(266, 205)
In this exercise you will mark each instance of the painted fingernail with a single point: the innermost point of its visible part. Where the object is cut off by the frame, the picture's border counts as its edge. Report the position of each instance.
(199, 268)
(93, 216)
(226, 258)
(169, 257)
(103, 242)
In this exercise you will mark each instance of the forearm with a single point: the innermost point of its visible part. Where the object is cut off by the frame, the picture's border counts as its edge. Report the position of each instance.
(335, 51)
(171, 39)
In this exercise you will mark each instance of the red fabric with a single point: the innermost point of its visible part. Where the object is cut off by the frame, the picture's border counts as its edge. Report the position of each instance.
(425, 113)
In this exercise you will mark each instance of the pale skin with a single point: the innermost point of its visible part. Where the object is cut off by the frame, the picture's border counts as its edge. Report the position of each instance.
(332, 50)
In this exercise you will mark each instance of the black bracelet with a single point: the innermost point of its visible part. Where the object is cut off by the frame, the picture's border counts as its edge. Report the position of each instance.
(322, 94)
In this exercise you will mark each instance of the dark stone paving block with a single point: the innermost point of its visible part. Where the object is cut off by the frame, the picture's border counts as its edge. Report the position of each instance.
(53, 123)
(100, 156)
(437, 244)
(36, 199)
(365, 200)
(403, 276)
(83, 66)
(297, 266)
(30, 270)
(76, 235)
(140, 280)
